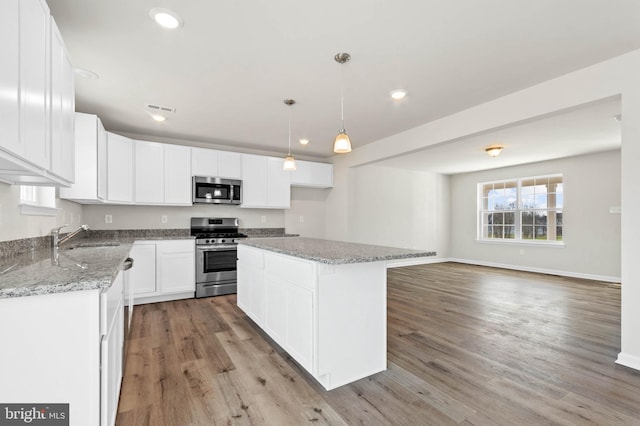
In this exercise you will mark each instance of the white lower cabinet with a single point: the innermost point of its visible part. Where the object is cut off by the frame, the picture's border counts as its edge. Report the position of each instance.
(330, 318)
(164, 270)
(68, 348)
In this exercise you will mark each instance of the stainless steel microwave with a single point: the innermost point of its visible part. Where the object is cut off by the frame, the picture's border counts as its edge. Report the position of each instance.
(215, 190)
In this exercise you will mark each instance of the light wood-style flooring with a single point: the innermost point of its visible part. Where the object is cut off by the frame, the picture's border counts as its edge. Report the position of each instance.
(466, 345)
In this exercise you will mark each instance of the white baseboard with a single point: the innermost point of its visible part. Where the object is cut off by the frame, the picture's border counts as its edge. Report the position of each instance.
(627, 360)
(593, 277)
(398, 263)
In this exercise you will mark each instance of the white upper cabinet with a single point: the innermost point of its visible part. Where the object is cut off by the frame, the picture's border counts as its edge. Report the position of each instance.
(28, 99)
(312, 175)
(34, 80)
(229, 165)
(177, 175)
(204, 162)
(264, 183)
(209, 162)
(162, 174)
(149, 172)
(119, 169)
(88, 134)
(62, 108)
(10, 77)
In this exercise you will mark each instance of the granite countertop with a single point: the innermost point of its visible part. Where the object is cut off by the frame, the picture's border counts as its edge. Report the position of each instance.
(88, 265)
(333, 252)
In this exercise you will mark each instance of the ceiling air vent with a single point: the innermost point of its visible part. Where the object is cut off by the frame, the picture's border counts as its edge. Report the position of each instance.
(160, 108)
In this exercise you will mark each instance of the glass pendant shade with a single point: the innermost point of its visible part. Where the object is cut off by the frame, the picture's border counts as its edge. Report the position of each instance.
(342, 144)
(289, 164)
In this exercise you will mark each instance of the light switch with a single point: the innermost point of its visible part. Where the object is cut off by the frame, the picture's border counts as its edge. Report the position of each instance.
(164, 218)
(108, 218)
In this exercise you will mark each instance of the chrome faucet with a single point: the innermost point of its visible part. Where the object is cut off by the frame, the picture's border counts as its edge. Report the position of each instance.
(56, 240)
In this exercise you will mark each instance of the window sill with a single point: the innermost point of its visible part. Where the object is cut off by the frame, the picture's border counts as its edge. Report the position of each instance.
(558, 244)
(33, 210)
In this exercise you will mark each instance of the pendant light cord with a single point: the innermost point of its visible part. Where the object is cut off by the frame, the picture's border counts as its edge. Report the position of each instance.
(290, 112)
(342, 94)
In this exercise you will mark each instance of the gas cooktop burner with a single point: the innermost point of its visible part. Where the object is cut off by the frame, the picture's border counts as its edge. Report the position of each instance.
(219, 235)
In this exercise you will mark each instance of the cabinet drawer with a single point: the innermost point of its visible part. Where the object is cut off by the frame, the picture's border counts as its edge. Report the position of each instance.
(291, 269)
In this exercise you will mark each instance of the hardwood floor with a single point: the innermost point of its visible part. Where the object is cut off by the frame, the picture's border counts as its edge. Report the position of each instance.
(466, 345)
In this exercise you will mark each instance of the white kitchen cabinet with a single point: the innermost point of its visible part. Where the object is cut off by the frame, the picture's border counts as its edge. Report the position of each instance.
(76, 357)
(264, 183)
(312, 175)
(25, 95)
(10, 77)
(177, 175)
(213, 163)
(169, 275)
(330, 318)
(229, 165)
(62, 108)
(149, 172)
(34, 81)
(204, 162)
(142, 277)
(90, 139)
(119, 169)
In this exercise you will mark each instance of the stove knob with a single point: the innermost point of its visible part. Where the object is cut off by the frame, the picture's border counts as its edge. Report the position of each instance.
(223, 241)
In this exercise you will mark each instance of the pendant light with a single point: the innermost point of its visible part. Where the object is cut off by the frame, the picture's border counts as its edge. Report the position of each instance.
(342, 144)
(289, 162)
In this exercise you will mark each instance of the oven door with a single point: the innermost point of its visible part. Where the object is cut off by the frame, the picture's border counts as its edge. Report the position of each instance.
(216, 263)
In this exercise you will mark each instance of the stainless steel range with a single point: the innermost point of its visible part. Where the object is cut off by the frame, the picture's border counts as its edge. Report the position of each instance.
(216, 254)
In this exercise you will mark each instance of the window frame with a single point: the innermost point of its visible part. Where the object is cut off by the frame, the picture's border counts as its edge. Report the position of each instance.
(519, 209)
(38, 200)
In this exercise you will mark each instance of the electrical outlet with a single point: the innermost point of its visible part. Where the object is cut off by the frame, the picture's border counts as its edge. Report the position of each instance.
(301, 219)
(164, 218)
(108, 218)
(522, 252)
(263, 219)
(71, 219)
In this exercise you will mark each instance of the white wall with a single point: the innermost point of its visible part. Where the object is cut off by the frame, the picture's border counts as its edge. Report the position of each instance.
(399, 208)
(591, 233)
(306, 216)
(15, 226)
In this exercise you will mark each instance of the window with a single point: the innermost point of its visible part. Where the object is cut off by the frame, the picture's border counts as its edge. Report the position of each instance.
(522, 210)
(38, 200)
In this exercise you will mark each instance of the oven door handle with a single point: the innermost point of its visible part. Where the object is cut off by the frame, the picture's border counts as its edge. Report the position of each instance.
(217, 247)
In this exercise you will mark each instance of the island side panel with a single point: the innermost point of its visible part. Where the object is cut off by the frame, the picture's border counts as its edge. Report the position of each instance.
(352, 322)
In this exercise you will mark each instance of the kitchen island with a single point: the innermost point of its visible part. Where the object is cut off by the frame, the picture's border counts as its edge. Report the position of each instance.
(324, 302)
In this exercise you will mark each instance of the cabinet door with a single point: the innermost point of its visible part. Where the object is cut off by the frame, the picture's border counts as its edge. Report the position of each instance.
(299, 324)
(254, 181)
(142, 277)
(278, 184)
(10, 77)
(177, 174)
(119, 168)
(176, 266)
(111, 369)
(313, 175)
(229, 165)
(61, 104)
(34, 81)
(86, 160)
(204, 162)
(149, 172)
(275, 317)
(102, 160)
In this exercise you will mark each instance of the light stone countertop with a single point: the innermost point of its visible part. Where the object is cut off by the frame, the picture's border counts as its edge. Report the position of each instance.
(333, 252)
(79, 268)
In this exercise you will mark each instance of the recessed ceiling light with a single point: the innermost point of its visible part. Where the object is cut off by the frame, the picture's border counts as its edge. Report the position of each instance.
(159, 118)
(83, 73)
(398, 95)
(304, 141)
(165, 18)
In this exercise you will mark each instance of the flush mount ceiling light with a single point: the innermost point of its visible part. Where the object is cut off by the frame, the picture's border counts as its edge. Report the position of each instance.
(398, 95)
(304, 141)
(289, 162)
(165, 18)
(342, 144)
(494, 151)
(84, 73)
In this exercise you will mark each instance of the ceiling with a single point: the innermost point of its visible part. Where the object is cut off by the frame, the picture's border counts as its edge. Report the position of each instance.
(229, 67)
(589, 129)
